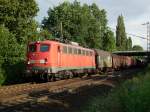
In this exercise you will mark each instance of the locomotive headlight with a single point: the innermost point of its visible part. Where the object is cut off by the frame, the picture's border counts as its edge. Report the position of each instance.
(28, 62)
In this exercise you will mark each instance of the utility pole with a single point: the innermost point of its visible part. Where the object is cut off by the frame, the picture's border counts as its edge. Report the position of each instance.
(148, 39)
(148, 35)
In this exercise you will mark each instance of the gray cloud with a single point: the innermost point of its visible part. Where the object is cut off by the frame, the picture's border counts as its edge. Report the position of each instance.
(131, 9)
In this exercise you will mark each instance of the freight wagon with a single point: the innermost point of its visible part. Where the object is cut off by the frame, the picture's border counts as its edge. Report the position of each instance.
(122, 62)
(103, 60)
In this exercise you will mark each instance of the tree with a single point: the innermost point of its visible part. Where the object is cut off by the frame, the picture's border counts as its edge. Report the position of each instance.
(39, 36)
(137, 48)
(109, 41)
(121, 38)
(10, 53)
(16, 23)
(129, 43)
(85, 24)
(18, 17)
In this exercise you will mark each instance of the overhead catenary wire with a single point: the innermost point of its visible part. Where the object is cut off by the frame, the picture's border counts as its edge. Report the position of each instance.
(134, 35)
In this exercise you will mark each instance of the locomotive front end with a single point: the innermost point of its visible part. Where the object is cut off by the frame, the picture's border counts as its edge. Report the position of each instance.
(38, 58)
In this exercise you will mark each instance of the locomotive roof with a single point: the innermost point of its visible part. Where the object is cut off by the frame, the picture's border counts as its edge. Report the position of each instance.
(76, 46)
(44, 41)
(56, 42)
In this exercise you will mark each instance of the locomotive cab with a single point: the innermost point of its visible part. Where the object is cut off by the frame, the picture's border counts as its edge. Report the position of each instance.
(38, 57)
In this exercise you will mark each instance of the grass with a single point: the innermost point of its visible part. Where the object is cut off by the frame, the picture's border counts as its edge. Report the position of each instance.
(131, 96)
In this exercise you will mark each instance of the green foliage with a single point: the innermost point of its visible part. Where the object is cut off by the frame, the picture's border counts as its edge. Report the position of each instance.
(135, 94)
(39, 36)
(122, 42)
(109, 41)
(2, 72)
(121, 38)
(17, 16)
(85, 24)
(137, 48)
(132, 96)
(16, 23)
(10, 53)
(129, 43)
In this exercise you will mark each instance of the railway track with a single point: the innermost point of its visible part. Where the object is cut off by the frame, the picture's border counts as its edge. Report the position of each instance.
(11, 96)
(9, 91)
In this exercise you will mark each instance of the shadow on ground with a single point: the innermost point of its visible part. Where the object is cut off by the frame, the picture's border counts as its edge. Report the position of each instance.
(68, 101)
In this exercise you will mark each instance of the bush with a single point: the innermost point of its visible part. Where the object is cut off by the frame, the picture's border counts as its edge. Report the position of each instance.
(11, 53)
(135, 94)
(132, 96)
(2, 76)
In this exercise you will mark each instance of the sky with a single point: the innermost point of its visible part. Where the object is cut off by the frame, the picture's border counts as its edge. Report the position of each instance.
(135, 12)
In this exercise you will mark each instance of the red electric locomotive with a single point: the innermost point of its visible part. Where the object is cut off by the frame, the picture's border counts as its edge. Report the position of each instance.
(50, 59)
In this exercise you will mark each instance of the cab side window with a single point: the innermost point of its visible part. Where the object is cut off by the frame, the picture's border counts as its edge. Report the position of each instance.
(70, 50)
(65, 49)
(75, 51)
(79, 51)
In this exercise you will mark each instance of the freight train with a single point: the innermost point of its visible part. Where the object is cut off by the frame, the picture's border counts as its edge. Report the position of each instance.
(51, 59)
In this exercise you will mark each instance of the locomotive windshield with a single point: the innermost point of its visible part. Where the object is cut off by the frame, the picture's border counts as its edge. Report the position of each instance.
(32, 48)
(44, 48)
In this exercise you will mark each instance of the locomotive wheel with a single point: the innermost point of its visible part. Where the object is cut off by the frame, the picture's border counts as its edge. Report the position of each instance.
(71, 76)
(52, 78)
(81, 75)
(89, 75)
(36, 78)
(46, 78)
